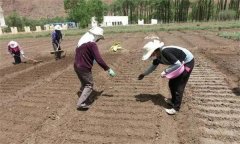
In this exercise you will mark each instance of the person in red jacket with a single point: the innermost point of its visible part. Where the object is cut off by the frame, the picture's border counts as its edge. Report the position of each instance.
(16, 51)
(86, 53)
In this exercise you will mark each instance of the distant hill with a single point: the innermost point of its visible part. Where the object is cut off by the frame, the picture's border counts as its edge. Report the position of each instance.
(36, 9)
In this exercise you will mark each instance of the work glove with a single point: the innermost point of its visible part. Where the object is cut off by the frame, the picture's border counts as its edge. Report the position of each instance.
(163, 74)
(23, 55)
(141, 76)
(111, 73)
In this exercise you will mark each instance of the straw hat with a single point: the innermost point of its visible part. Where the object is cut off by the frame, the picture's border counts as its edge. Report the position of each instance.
(12, 44)
(97, 31)
(150, 47)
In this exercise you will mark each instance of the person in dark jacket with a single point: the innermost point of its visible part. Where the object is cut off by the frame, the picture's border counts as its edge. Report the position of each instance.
(177, 57)
(16, 51)
(56, 40)
(86, 53)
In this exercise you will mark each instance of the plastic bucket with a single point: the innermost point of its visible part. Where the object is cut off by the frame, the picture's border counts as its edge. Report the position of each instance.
(175, 73)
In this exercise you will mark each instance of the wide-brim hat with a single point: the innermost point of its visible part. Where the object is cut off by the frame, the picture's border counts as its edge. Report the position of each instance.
(97, 31)
(58, 27)
(150, 47)
(12, 44)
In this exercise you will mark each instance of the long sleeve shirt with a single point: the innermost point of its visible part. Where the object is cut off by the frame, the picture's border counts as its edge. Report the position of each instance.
(86, 54)
(56, 36)
(173, 56)
(15, 50)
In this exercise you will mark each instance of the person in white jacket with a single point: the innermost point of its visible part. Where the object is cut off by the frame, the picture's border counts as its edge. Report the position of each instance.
(16, 51)
(177, 57)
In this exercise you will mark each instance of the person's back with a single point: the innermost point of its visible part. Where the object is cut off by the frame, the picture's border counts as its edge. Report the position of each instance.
(86, 54)
(56, 36)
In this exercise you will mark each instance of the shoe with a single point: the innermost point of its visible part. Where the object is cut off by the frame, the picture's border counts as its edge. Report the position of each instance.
(83, 106)
(171, 111)
(168, 101)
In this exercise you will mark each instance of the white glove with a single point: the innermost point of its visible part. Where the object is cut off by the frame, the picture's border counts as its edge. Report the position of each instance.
(111, 73)
(23, 55)
(163, 74)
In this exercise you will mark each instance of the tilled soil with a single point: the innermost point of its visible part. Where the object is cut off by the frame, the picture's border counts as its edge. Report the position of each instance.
(38, 100)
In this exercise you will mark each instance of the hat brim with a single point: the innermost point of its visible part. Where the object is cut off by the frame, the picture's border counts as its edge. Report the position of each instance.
(13, 45)
(149, 53)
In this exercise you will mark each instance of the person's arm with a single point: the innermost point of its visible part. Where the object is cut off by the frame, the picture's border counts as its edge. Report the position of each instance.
(61, 36)
(98, 57)
(21, 50)
(9, 51)
(150, 69)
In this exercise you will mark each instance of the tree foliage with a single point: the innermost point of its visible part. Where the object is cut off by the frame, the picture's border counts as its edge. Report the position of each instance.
(15, 20)
(81, 11)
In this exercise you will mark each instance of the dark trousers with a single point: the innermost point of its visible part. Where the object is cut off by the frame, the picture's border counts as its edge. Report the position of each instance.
(17, 57)
(57, 47)
(86, 80)
(177, 85)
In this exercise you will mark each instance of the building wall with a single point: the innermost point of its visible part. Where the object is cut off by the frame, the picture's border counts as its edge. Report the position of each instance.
(115, 20)
(2, 21)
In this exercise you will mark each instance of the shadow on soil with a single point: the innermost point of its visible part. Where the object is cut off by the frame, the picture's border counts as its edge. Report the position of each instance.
(157, 99)
(236, 91)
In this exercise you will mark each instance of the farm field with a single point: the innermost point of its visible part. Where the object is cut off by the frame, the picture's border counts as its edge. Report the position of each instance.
(38, 101)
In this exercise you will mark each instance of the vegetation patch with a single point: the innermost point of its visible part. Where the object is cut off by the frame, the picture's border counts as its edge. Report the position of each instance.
(230, 35)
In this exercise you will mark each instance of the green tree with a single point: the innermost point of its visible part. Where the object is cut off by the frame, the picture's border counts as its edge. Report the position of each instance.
(15, 20)
(81, 11)
(235, 5)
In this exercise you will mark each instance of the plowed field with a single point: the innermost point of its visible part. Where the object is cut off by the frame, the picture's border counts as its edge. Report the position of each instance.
(38, 100)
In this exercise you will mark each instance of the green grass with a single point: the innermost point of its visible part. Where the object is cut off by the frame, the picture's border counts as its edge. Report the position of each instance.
(230, 35)
(214, 26)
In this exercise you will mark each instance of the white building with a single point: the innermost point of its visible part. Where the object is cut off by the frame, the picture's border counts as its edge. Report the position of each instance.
(114, 20)
(2, 21)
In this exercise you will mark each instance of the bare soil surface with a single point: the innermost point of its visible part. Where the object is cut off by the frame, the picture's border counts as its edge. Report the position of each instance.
(38, 100)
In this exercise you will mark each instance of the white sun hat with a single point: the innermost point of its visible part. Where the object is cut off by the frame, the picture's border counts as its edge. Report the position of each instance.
(97, 31)
(58, 27)
(12, 44)
(150, 47)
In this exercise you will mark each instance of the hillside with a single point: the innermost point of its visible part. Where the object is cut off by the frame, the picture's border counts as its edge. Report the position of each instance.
(36, 9)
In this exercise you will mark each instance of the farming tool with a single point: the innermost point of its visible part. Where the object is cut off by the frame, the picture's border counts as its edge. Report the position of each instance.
(35, 61)
(57, 50)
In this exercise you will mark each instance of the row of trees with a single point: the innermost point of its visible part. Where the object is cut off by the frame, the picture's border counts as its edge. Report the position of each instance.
(163, 10)
(166, 11)
(177, 10)
(14, 19)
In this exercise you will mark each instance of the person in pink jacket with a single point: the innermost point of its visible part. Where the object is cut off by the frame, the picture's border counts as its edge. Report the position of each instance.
(16, 51)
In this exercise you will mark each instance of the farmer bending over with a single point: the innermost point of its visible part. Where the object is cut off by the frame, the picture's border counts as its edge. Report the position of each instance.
(56, 40)
(176, 57)
(86, 52)
(16, 51)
